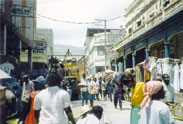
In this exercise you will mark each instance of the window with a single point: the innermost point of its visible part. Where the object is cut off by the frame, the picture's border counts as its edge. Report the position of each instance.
(139, 23)
(166, 2)
(101, 50)
(151, 15)
(130, 30)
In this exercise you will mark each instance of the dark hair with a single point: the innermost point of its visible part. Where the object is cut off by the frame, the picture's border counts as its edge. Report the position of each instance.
(97, 111)
(38, 86)
(164, 75)
(125, 77)
(53, 78)
(159, 95)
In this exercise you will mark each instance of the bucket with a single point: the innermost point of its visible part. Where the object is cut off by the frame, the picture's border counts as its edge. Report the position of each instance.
(14, 121)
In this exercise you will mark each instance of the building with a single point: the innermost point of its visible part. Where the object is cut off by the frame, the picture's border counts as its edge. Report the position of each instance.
(17, 29)
(39, 56)
(96, 44)
(153, 28)
(48, 33)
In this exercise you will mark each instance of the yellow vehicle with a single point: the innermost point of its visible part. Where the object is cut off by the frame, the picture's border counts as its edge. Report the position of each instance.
(71, 73)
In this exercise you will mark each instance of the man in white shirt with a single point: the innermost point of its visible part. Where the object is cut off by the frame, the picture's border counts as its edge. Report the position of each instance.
(84, 90)
(52, 105)
(169, 90)
(27, 88)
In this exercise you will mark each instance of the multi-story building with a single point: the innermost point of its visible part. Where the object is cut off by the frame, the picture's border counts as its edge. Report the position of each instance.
(48, 33)
(18, 37)
(17, 29)
(153, 27)
(96, 44)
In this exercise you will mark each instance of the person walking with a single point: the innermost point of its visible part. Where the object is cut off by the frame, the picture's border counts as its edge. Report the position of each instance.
(137, 95)
(27, 88)
(52, 105)
(69, 85)
(110, 88)
(118, 94)
(92, 90)
(39, 84)
(84, 89)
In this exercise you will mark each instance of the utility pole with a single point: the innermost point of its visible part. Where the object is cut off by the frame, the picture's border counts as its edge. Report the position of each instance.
(104, 41)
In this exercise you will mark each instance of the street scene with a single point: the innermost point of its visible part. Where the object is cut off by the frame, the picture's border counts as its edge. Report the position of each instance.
(91, 62)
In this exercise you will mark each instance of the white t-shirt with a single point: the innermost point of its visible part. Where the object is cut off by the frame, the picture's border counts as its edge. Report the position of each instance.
(156, 113)
(84, 85)
(169, 93)
(89, 119)
(52, 102)
(26, 89)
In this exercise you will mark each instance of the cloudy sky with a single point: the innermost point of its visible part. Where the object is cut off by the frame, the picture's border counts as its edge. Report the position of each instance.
(63, 17)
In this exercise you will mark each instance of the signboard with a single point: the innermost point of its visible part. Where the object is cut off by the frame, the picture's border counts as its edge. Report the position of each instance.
(112, 54)
(22, 11)
(39, 45)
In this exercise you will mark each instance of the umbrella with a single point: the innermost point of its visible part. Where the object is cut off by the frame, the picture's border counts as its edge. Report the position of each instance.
(4, 75)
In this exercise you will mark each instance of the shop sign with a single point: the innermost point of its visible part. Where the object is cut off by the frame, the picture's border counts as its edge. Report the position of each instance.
(112, 54)
(38, 45)
(22, 11)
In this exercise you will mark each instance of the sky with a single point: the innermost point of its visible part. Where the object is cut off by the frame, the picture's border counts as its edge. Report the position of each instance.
(63, 17)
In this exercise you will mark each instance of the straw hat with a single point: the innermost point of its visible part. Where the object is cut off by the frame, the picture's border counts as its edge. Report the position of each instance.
(85, 109)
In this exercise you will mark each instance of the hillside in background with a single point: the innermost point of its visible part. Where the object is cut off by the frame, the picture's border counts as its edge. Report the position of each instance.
(60, 49)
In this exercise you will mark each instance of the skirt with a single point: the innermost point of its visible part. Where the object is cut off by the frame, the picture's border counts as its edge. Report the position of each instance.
(135, 115)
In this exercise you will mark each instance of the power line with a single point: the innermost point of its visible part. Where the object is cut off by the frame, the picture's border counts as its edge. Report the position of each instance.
(71, 22)
(67, 21)
(51, 1)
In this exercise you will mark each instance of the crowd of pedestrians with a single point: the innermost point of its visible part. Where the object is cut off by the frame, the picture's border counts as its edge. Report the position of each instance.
(45, 101)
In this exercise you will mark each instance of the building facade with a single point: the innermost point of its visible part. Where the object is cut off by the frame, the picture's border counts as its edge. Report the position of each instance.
(48, 33)
(96, 45)
(153, 28)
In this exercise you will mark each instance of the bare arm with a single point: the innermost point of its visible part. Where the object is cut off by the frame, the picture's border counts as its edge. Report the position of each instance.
(68, 111)
(36, 114)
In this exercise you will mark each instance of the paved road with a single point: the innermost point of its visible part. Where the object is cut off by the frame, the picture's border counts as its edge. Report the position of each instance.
(115, 116)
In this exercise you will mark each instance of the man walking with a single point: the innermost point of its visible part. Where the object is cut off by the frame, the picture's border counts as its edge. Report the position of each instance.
(84, 89)
(52, 105)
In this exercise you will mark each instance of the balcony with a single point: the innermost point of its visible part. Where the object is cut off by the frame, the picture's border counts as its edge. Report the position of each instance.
(36, 57)
(156, 18)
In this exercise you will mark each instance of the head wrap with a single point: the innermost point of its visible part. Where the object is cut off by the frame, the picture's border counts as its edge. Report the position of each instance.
(150, 88)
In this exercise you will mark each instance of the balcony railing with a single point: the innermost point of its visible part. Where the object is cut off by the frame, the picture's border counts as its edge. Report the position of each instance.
(36, 57)
(164, 12)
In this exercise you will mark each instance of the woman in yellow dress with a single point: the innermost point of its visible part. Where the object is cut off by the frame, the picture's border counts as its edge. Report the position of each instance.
(137, 95)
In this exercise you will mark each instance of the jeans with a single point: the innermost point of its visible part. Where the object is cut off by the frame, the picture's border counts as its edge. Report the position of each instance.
(84, 97)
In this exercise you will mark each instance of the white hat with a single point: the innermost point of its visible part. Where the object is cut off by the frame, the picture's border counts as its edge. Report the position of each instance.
(85, 109)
